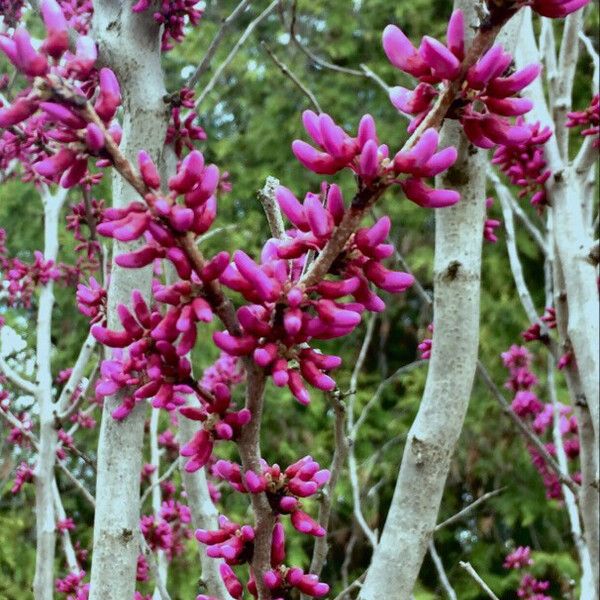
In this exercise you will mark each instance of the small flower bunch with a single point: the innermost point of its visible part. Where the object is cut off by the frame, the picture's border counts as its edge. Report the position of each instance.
(524, 164)
(540, 416)
(588, 118)
(336, 150)
(530, 588)
(234, 543)
(490, 225)
(484, 101)
(175, 15)
(182, 132)
(283, 488)
(62, 84)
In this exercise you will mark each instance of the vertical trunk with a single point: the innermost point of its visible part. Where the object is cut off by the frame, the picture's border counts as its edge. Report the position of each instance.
(434, 433)
(204, 515)
(43, 583)
(161, 559)
(576, 295)
(129, 44)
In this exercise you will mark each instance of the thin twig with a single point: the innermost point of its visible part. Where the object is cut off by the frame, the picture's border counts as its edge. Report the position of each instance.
(337, 463)
(219, 71)
(162, 478)
(214, 45)
(482, 584)
(468, 509)
(267, 198)
(532, 229)
(355, 584)
(290, 75)
(439, 567)
(26, 386)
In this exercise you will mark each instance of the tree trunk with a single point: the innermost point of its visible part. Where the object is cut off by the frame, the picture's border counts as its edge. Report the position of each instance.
(43, 582)
(130, 44)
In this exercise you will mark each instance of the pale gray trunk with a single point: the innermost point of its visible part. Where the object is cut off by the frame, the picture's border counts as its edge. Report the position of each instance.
(204, 515)
(43, 582)
(129, 44)
(435, 431)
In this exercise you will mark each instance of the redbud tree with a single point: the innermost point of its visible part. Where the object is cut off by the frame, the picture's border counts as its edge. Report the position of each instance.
(488, 118)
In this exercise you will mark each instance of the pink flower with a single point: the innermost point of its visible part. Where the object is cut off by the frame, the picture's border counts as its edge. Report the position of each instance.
(519, 558)
(487, 98)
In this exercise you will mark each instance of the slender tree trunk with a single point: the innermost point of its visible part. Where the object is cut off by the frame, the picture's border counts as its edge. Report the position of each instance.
(43, 583)
(204, 514)
(576, 291)
(129, 44)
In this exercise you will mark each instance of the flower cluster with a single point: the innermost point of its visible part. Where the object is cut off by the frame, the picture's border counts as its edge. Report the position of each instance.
(530, 588)
(11, 11)
(490, 225)
(524, 164)
(283, 488)
(166, 531)
(78, 14)
(588, 118)
(174, 15)
(487, 96)
(234, 544)
(540, 416)
(58, 100)
(23, 475)
(23, 278)
(73, 586)
(88, 249)
(364, 156)
(182, 132)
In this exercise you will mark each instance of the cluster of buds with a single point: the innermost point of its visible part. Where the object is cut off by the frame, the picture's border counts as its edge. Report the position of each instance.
(426, 346)
(182, 132)
(91, 301)
(73, 586)
(23, 279)
(167, 531)
(78, 14)
(524, 164)
(540, 416)
(88, 250)
(164, 220)
(236, 542)
(588, 118)
(219, 422)
(23, 475)
(518, 558)
(364, 156)
(530, 588)
(486, 98)
(284, 316)
(283, 489)
(63, 86)
(152, 364)
(232, 542)
(490, 225)
(11, 11)
(174, 15)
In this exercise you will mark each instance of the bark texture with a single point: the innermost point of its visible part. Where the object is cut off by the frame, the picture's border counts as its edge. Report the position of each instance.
(435, 431)
(129, 44)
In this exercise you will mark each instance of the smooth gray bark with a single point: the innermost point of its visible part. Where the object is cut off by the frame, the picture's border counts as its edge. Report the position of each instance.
(129, 44)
